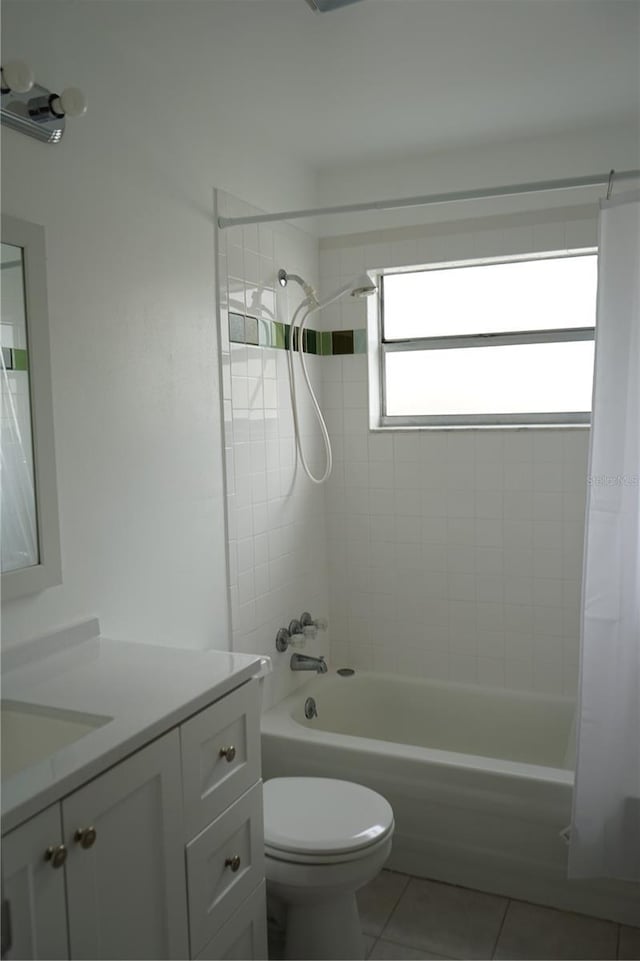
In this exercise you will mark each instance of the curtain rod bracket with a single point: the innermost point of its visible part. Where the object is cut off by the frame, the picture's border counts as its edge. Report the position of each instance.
(612, 174)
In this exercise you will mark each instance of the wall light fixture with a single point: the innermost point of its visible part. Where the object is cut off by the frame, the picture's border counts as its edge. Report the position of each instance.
(34, 110)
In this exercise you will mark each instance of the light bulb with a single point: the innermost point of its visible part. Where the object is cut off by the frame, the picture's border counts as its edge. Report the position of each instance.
(70, 103)
(17, 76)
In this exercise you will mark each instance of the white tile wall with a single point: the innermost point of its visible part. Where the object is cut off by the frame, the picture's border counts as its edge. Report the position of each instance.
(452, 554)
(276, 517)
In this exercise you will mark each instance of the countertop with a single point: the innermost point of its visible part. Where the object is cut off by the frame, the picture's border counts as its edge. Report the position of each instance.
(146, 689)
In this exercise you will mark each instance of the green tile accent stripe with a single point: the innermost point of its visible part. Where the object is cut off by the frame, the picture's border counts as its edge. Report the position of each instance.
(279, 339)
(13, 358)
(342, 341)
(264, 334)
(251, 330)
(244, 329)
(360, 341)
(309, 343)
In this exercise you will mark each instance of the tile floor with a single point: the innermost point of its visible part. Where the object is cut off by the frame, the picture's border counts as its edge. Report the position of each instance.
(408, 918)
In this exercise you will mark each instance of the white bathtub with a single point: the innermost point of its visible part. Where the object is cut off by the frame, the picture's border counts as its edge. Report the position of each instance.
(480, 780)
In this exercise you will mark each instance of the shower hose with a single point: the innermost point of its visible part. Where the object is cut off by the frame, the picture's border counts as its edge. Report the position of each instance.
(311, 307)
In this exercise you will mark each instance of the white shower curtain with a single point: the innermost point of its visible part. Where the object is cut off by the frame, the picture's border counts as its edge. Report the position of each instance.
(605, 836)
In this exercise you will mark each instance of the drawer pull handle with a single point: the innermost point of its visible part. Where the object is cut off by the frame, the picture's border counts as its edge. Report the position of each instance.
(233, 863)
(57, 854)
(85, 837)
(228, 752)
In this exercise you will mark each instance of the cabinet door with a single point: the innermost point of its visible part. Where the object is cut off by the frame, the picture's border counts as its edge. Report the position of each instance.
(34, 888)
(126, 889)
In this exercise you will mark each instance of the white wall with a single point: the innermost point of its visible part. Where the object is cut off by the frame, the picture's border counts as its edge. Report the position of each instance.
(127, 201)
(276, 516)
(453, 554)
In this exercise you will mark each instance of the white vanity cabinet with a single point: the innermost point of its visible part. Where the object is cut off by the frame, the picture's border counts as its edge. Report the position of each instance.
(223, 826)
(161, 856)
(125, 889)
(34, 888)
(116, 845)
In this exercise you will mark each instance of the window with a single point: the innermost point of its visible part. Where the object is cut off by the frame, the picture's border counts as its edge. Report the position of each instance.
(481, 344)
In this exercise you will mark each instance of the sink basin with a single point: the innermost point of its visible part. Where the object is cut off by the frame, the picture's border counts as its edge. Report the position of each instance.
(31, 733)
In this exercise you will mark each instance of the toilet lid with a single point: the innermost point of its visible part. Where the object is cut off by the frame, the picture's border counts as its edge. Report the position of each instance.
(317, 815)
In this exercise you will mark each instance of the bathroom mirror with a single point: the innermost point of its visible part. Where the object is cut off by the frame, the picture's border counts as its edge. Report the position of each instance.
(29, 502)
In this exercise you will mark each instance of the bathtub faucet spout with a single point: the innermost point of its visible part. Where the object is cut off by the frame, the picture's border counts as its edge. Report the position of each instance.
(302, 662)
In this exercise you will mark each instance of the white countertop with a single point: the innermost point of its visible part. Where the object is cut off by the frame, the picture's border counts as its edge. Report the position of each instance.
(145, 689)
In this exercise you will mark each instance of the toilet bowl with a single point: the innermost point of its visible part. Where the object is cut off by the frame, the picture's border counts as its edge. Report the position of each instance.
(324, 839)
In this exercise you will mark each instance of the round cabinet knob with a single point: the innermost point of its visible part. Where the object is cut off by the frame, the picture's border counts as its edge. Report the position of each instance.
(233, 863)
(228, 752)
(57, 854)
(86, 837)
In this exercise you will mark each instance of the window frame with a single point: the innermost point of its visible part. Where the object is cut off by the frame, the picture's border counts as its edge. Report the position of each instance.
(48, 571)
(382, 347)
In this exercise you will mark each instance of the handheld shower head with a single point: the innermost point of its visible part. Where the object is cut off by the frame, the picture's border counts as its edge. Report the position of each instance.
(358, 287)
(363, 286)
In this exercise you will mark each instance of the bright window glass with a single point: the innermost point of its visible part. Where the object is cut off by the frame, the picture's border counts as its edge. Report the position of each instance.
(514, 379)
(499, 343)
(517, 296)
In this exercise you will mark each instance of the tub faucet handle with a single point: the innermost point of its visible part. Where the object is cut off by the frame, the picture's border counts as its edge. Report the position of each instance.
(311, 626)
(297, 634)
(292, 636)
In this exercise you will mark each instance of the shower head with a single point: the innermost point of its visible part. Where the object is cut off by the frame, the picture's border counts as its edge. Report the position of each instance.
(363, 286)
(358, 287)
(325, 6)
(284, 278)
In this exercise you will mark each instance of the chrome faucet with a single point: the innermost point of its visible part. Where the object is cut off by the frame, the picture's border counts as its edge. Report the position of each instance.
(302, 662)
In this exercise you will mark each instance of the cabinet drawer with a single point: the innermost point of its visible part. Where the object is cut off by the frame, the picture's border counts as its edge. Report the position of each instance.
(220, 756)
(244, 936)
(217, 884)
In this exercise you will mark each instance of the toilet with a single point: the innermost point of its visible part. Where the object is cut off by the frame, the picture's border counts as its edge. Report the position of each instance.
(324, 839)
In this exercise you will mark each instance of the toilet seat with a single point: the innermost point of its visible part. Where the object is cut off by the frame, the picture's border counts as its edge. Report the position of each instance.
(312, 820)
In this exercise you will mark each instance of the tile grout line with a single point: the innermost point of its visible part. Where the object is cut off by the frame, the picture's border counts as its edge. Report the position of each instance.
(500, 929)
(398, 944)
(399, 899)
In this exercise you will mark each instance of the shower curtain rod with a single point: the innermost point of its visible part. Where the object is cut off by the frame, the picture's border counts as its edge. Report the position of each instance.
(595, 180)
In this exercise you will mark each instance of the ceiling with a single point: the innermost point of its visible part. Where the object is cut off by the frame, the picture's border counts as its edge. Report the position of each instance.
(383, 78)
(372, 81)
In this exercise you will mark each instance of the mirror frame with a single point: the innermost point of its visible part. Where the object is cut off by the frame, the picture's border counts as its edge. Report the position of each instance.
(48, 572)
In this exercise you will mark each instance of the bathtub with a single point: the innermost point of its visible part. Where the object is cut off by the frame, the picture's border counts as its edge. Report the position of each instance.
(480, 780)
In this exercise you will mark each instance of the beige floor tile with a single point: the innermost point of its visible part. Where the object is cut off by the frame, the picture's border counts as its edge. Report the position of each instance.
(377, 900)
(368, 944)
(447, 920)
(629, 944)
(388, 951)
(530, 931)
